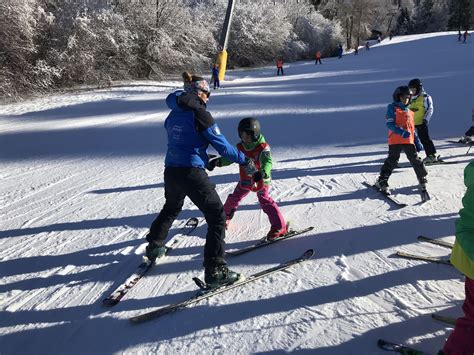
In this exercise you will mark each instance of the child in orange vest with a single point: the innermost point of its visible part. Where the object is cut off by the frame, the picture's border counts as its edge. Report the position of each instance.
(254, 147)
(318, 57)
(279, 66)
(401, 137)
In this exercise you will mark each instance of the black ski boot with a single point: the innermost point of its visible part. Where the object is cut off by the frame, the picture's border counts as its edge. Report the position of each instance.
(219, 275)
(423, 182)
(382, 185)
(154, 251)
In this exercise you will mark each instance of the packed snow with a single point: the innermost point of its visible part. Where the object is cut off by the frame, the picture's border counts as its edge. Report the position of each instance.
(82, 180)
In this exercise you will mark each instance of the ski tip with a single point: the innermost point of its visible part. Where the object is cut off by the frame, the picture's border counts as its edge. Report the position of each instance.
(199, 283)
(108, 302)
(308, 253)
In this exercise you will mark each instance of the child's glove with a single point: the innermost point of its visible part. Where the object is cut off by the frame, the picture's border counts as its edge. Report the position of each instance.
(258, 176)
(405, 134)
(249, 167)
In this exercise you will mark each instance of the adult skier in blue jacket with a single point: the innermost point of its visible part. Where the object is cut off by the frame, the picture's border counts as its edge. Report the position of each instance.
(191, 128)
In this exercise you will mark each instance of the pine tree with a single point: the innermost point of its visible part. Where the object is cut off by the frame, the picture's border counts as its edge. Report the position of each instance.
(423, 16)
(459, 14)
(404, 23)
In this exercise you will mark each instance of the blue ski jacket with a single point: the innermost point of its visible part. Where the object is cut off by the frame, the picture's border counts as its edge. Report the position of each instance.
(190, 130)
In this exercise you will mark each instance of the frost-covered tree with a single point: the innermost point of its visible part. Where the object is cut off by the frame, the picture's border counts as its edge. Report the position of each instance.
(22, 68)
(319, 34)
(259, 33)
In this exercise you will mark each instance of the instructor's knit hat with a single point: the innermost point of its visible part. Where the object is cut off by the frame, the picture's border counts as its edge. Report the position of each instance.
(194, 83)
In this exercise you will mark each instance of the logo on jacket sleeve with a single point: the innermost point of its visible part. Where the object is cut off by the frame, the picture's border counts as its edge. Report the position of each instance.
(216, 130)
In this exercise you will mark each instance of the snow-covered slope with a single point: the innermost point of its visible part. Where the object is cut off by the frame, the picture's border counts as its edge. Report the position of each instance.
(82, 181)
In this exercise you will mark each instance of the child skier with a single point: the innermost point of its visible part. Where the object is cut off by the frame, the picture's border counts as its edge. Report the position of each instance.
(401, 137)
(422, 106)
(318, 58)
(215, 76)
(254, 147)
(280, 66)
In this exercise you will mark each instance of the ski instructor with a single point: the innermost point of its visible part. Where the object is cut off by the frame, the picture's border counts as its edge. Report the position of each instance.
(190, 129)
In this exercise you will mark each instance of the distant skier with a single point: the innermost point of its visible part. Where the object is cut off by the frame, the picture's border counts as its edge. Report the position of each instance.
(340, 50)
(461, 340)
(356, 49)
(367, 46)
(215, 76)
(318, 57)
(468, 137)
(254, 146)
(401, 137)
(465, 34)
(422, 106)
(279, 66)
(379, 38)
(191, 128)
(459, 36)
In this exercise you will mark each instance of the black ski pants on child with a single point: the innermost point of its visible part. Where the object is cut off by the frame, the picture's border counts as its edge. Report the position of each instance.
(425, 139)
(195, 184)
(394, 151)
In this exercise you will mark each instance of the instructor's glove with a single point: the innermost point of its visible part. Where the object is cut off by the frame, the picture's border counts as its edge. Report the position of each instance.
(213, 162)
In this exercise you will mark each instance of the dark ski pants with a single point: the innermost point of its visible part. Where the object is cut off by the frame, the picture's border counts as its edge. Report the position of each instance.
(195, 184)
(318, 60)
(216, 83)
(278, 71)
(425, 139)
(470, 131)
(394, 151)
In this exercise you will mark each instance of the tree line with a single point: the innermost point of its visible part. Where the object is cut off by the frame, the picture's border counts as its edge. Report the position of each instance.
(51, 44)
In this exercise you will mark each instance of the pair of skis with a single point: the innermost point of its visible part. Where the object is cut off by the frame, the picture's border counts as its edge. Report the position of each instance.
(432, 259)
(203, 293)
(423, 194)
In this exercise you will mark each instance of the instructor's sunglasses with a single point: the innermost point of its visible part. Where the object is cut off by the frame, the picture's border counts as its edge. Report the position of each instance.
(207, 93)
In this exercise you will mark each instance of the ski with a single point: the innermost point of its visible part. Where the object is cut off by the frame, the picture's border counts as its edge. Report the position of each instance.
(435, 241)
(432, 259)
(143, 268)
(460, 142)
(444, 319)
(398, 348)
(387, 196)
(205, 294)
(263, 242)
(441, 162)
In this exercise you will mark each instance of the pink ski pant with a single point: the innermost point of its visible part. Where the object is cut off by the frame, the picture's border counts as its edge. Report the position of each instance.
(269, 206)
(461, 340)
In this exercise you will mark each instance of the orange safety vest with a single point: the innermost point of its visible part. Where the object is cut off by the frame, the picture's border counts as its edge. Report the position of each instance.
(279, 63)
(246, 181)
(318, 55)
(405, 120)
